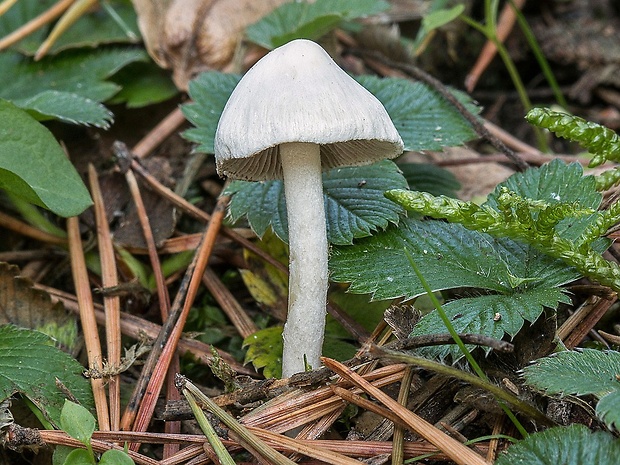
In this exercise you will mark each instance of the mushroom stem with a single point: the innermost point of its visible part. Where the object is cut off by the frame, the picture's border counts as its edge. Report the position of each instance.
(308, 282)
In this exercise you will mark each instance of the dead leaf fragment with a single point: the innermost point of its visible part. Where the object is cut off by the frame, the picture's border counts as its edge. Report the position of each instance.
(190, 36)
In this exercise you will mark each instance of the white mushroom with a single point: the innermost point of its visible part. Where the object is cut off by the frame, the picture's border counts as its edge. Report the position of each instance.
(294, 114)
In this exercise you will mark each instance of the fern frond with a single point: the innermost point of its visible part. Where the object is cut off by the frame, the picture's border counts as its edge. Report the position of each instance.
(599, 140)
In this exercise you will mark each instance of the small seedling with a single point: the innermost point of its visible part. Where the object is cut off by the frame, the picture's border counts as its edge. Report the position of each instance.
(79, 423)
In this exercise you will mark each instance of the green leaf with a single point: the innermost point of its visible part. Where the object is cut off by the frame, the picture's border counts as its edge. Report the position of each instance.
(426, 177)
(77, 422)
(209, 93)
(424, 119)
(449, 255)
(265, 351)
(79, 73)
(354, 202)
(572, 445)
(34, 167)
(30, 365)
(492, 315)
(79, 457)
(143, 84)
(115, 457)
(583, 372)
(302, 20)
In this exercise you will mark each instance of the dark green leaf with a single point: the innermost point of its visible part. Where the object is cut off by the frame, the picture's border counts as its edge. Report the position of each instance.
(430, 178)
(18, 15)
(34, 167)
(143, 84)
(354, 202)
(77, 422)
(78, 73)
(583, 372)
(492, 315)
(572, 445)
(30, 365)
(302, 20)
(424, 119)
(449, 256)
(209, 93)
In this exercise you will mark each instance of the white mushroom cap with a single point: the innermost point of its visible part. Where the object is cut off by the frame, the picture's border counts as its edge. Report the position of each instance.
(297, 93)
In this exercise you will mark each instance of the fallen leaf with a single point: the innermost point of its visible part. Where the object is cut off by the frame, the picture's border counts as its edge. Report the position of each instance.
(190, 36)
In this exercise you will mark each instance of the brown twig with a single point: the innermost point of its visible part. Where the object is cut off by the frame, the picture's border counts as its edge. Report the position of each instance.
(111, 303)
(164, 129)
(461, 454)
(87, 318)
(15, 225)
(236, 314)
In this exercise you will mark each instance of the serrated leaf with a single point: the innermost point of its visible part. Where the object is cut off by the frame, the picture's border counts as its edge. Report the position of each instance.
(423, 118)
(77, 422)
(34, 167)
(553, 183)
(572, 445)
(354, 202)
(30, 365)
(209, 93)
(492, 315)
(426, 177)
(264, 350)
(449, 256)
(77, 73)
(582, 372)
(302, 20)
(608, 409)
(67, 107)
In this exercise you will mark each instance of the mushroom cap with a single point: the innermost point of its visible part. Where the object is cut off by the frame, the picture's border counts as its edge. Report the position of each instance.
(297, 93)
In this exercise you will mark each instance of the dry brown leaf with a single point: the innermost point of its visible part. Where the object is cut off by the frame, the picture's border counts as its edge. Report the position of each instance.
(190, 36)
(23, 306)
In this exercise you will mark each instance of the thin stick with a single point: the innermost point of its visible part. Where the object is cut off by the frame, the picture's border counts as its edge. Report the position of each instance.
(461, 454)
(164, 129)
(34, 24)
(241, 321)
(111, 304)
(87, 318)
(20, 227)
(398, 453)
(164, 300)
